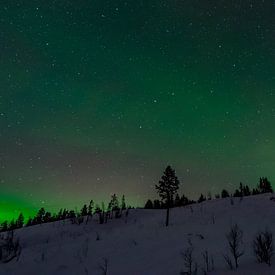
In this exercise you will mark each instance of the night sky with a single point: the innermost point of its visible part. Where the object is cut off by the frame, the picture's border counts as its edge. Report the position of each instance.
(97, 97)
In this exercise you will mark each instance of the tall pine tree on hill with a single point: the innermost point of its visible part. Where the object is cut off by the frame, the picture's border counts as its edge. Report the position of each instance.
(167, 188)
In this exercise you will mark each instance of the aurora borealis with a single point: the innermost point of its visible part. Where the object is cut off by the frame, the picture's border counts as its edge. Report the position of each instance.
(97, 97)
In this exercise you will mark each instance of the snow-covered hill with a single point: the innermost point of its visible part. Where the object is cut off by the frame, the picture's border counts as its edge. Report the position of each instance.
(143, 245)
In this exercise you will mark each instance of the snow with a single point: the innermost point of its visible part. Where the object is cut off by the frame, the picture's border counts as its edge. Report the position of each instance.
(143, 245)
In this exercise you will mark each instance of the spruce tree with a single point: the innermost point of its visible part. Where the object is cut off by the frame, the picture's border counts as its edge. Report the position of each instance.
(149, 205)
(20, 221)
(40, 215)
(90, 208)
(265, 186)
(167, 188)
(123, 203)
(201, 198)
(224, 194)
(84, 210)
(4, 226)
(177, 201)
(157, 204)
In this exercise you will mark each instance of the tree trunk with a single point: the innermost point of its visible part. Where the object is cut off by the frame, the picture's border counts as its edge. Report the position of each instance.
(167, 216)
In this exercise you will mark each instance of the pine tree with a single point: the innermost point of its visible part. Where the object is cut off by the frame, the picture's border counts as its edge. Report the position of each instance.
(157, 204)
(149, 205)
(48, 217)
(29, 222)
(241, 189)
(40, 215)
(177, 201)
(20, 221)
(167, 188)
(90, 208)
(59, 215)
(224, 194)
(114, 205)
(246, 191)
(84, 210)
(255, 191)
(4, 226)
(201, 198)
(184, 200)
(265, 186)
(12, 225)
(237, 193)
(123, 204)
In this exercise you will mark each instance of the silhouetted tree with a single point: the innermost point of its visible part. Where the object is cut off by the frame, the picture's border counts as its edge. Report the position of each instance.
(113, 204)
(189, 261)
(90, 208)
(40, 215)
(29, 222)
(100, 214)
(265, 186)
(184, 200)
(123, 203)
(149, 205)
(167, 188)
(201, 198)
(20, 221)
(65, 214)
(47, 217)
(177, 201)
(71, 214)
(224, 193)
(255, 191)
(241, 189)
(84, 210)
(9, 248)
(263, 247)
(246, 191)
(12, 225)
(157, 204)
(234, 238)
(4, 226)
(59, 216)
(237, 193)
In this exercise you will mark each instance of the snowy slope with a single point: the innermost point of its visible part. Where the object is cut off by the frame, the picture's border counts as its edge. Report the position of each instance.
(143, 245)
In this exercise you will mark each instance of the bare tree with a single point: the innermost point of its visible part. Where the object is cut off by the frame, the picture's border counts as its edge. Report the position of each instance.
(189, 262)
(9, 248)
(263, 247)
(234, 238)
(103, 266)
(208, 262)
(228, 261)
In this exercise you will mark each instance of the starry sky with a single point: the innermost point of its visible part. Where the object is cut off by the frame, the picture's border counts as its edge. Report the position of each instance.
(97, 97)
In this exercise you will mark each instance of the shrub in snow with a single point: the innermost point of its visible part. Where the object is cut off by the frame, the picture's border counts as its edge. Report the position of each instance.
(263, 247)
(9, 248)
(103, 266)
(97, 237)
(208, 262)
(228, 261)
(235, 242)
(189, 262)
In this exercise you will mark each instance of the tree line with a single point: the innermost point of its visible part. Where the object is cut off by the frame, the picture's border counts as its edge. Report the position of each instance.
(168, 186)
(114, 209)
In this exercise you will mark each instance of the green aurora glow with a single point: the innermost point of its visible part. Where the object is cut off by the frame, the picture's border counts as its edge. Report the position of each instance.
(97, 97)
